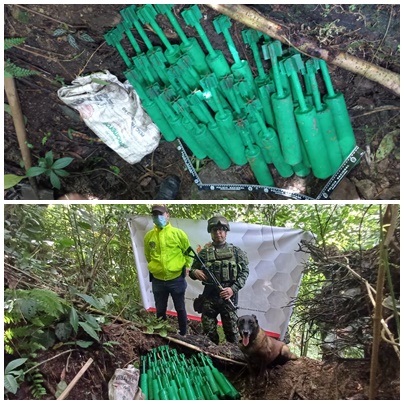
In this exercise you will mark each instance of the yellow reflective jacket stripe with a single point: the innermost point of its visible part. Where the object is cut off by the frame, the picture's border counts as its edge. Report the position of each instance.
(164, 250)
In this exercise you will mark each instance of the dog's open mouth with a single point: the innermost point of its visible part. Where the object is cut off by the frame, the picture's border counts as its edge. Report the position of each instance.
(246, 339)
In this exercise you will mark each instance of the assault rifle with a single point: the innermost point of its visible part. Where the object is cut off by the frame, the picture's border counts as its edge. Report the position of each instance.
(191, 253)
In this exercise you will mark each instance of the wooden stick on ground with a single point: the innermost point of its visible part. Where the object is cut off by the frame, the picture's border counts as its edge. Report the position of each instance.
(19, 125)
(252, 19)
(75, 380)
(196, 348)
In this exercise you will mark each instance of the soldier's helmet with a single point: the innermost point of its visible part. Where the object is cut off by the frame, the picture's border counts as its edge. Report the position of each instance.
(218, 221)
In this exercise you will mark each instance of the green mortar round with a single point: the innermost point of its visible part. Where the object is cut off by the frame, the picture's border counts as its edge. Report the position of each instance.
(259, 166)
(234, 145)
(271, 143)
(343, 126)
(218, 64)
(313, 142)
(286, 128)
(326, 123)
(197, 55)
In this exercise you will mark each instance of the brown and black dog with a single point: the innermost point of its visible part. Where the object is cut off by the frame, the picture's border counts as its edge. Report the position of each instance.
(260, 349)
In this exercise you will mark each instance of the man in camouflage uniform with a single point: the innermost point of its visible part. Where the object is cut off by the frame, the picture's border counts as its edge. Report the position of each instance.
(230, 265)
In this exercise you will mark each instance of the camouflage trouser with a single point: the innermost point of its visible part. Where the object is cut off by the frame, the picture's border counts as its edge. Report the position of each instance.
(212, 307)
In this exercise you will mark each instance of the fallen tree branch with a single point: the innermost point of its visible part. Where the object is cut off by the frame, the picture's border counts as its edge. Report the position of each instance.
(196, 348)
(306, 45)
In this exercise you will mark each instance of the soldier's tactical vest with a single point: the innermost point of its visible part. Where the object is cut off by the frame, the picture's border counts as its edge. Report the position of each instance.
(223, 263)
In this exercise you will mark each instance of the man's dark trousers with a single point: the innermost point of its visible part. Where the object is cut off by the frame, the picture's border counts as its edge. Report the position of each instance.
(176, 288)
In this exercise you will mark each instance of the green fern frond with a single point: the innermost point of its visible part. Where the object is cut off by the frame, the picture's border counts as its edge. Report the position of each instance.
(48, 301)
(36, 302)
(34, 346)
(37, 388)
(28, 347)
(8, 335)
(12, 70)
(11, 317)
(30, 313)
(9, 349)
(21, 332)
(10, 42)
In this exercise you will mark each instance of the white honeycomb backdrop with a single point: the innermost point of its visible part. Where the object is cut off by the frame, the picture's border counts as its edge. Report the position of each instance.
(276, 268)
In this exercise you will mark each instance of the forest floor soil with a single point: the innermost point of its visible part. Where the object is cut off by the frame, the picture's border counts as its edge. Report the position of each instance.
(303, 379)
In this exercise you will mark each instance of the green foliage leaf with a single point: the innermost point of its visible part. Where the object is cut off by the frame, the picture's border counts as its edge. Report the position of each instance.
(10, 180)
(10, 384)
(89, 330)
(386, 146)
(65, 242)
(115, 169)
(86, 38)
(34, 171)
(93, 301)
(62, 163)
(91, 320)
(14, 364)
(62, 173)
(74, 319)
(69, 133)
(54, 179)
(49, 159)
(45, 138)
(43, 339)
(157, 326)
(21, 16)
(84, 344)
(37, 322)
(72, 41)
(59, 32)
(163, 333)
(84, 225)
(63, 331)
(60, 388)
(28, 308)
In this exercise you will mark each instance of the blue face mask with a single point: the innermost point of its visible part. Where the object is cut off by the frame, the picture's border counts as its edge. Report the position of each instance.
(160, 221)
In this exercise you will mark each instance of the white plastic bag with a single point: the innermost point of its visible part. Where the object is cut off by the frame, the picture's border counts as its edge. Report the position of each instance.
(114, 113)
(124, 385)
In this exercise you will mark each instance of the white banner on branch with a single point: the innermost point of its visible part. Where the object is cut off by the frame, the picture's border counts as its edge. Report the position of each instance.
(275, 266)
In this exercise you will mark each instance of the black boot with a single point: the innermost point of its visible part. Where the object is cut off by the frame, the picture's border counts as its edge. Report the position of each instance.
(169, 188)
